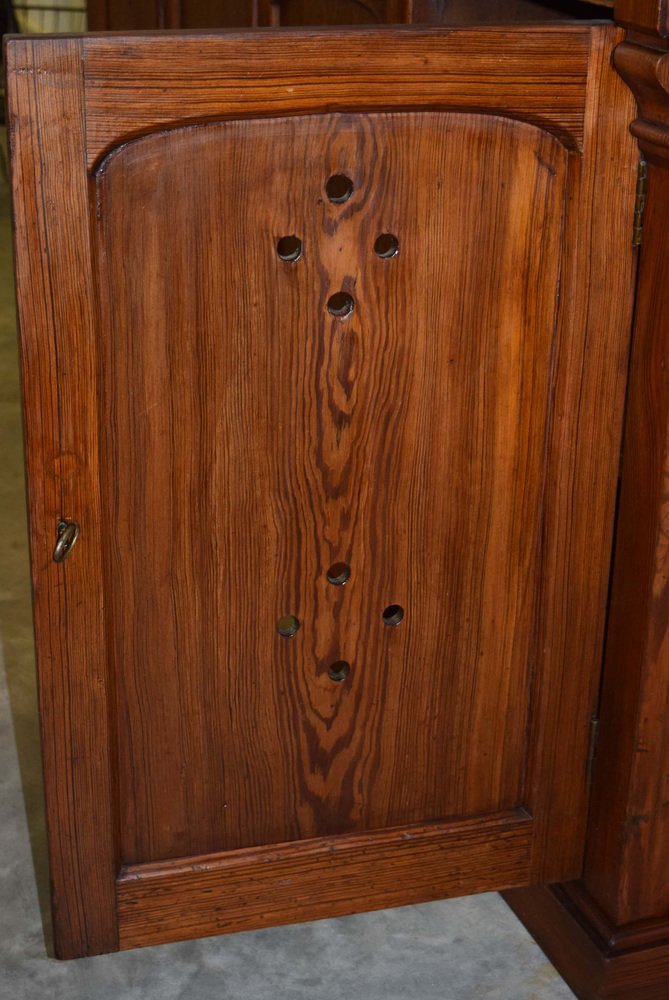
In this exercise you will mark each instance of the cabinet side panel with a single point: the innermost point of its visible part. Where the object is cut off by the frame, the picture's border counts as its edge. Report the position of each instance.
(628, 859)
(590, 369)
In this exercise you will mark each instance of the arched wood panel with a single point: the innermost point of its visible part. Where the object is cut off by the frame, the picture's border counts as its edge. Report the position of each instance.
(252, 440)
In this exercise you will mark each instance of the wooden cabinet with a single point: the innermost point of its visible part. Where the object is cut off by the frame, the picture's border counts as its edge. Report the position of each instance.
(325, 339)
(608, 932)
(123, 15)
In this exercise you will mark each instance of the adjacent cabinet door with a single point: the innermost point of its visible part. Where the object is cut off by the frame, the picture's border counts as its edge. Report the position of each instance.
(324, 339)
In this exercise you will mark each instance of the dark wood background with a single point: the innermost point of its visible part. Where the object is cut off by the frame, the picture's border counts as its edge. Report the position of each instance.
(124, 15)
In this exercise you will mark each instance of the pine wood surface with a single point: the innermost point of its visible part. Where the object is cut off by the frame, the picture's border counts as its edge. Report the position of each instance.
(58, 355)
(320, 878)
(138, 84)
(220, 438)
(608, 933)
(254, 440)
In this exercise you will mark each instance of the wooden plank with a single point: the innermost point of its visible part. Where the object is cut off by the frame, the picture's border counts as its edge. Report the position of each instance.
(321, 878)
(608, 934)
(583, 447)
(59, 367)
(629, 855)
(138, 85)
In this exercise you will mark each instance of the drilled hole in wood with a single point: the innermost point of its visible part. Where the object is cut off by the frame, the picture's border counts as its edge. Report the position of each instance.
(339, 670)
(338, 574)
(340, 304)
(339, 188)
(287, 626)
(386, 245)
(289, 248)
(393, 615)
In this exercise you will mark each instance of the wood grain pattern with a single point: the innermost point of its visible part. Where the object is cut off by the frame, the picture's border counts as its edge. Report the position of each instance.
(138, 85)
(626, 864)
(252, 440)
(627, 867)
(590, 370)
(443, 439)
(59, 379)
(608, 934)
(320, 878)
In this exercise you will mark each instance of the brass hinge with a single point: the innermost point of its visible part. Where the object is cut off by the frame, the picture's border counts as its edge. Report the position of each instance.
(640, 202)
(592, 749)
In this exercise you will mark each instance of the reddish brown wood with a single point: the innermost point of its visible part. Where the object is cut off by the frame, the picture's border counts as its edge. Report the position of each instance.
(296, 12)
(628, 863)
(133, 15)
(646, 71)
(320, 878)
(59, 368)
(629, 859)
(442, 440)
(120, 15)
(123, 15)
(576, 723)
(595, 960)
(542, 78)
(214, 14)
(650, 17)
(197, 14)
(271, 427)
(609, 933)
(588, 401)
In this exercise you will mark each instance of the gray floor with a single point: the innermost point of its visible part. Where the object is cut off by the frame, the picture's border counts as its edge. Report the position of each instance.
(456, 950)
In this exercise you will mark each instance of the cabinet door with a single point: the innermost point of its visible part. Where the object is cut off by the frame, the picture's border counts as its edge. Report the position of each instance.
(324, 338)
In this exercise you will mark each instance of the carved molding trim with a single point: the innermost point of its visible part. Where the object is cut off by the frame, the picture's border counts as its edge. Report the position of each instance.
(645, 70)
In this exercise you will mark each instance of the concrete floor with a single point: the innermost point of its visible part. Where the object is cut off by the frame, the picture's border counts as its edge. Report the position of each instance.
(457, 950)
